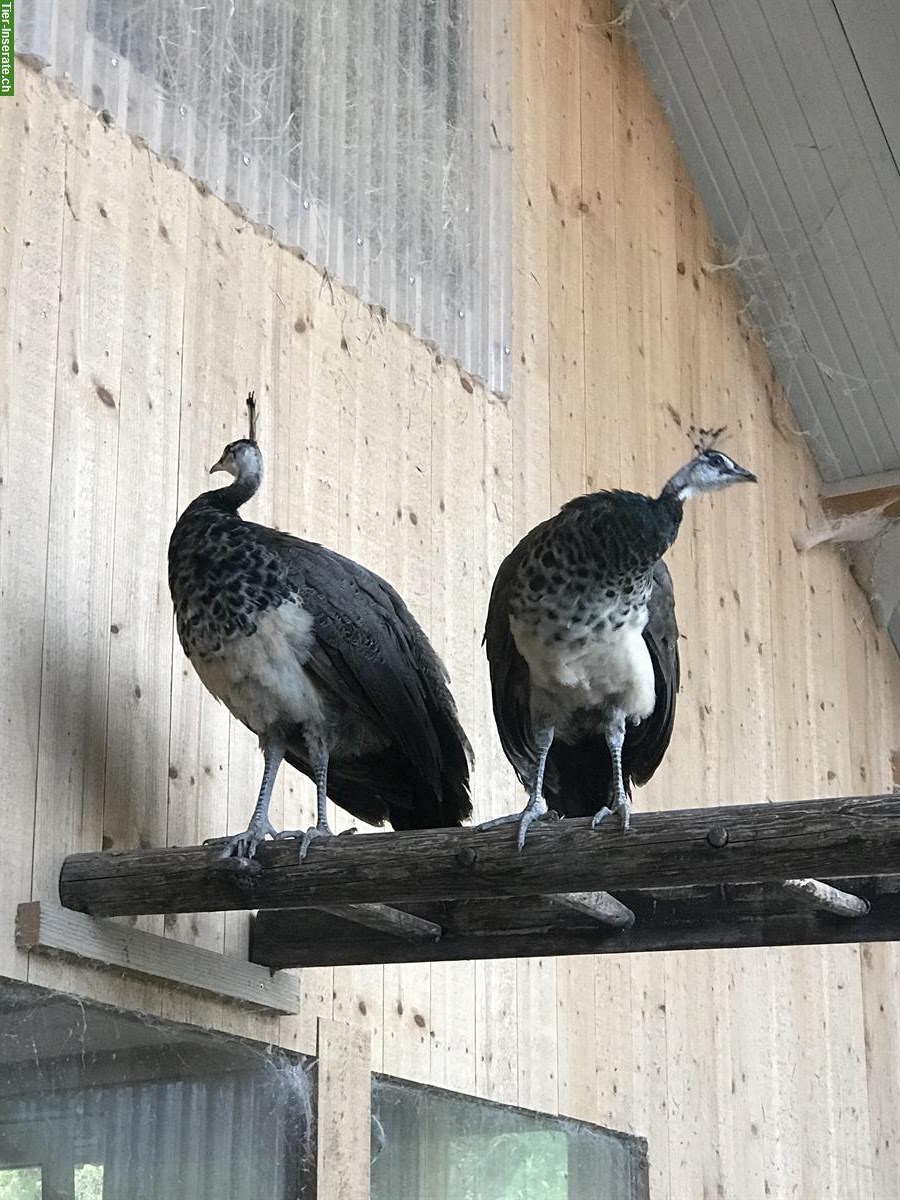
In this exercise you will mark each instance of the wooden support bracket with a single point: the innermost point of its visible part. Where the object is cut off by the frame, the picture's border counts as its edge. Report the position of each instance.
(702, 918)
(599, 906)
(829, 899)
(45, 928)
(392, 921)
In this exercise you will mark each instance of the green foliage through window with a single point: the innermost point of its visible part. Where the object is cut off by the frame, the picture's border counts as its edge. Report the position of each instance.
(20, 1183)
(429, 1144)
(89, 1181)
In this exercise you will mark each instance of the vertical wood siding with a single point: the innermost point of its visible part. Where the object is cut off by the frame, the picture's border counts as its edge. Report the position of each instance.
(136, 312)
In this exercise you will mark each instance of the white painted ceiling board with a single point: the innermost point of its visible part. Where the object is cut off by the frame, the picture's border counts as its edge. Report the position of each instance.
(780, 133)
(730, 139)
(850, 299)
(844, 155)
(868, 128)
(756, 101)
(711, 170)
(788, 118)
(872, 28)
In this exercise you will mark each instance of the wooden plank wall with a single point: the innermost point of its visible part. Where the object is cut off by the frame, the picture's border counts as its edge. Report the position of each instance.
(752, 1074)
(135, 313)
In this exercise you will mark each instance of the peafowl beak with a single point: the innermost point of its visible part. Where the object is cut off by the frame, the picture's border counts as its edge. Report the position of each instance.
(219, 466)
(742, 475)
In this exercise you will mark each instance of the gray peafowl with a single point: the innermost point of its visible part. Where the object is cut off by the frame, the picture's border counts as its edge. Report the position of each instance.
(321, 659)
(582, 645)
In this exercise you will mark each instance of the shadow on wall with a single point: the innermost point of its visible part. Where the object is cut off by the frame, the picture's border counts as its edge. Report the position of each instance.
(103, 743)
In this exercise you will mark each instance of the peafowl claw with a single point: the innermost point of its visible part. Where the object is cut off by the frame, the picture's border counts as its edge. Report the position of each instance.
(243, 845)
(321, 832)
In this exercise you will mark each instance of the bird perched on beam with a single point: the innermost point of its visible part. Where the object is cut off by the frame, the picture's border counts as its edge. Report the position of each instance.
(582, 644)
(321, 659)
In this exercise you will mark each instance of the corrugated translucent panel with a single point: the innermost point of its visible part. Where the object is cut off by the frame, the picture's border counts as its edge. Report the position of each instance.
(144, 1109)
(374, 135)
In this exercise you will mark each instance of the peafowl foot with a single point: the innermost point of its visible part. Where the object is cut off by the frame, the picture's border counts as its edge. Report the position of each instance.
(525, 819)
(244, 845)
(620, 805)
(321, 832)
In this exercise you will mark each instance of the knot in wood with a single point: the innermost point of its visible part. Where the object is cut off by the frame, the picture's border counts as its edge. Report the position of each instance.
(466, 856)
(718, 836)
(241, 872)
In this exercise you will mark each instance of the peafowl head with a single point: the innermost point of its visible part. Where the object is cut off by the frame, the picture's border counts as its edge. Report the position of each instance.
(709, 470)
(242, 460)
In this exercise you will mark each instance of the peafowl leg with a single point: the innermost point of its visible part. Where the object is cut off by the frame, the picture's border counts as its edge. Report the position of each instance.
(321, 830)
(618, 797)
(536, 808)
(243, 845)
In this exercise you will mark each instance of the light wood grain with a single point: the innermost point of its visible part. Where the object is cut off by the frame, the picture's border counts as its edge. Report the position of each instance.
(153, 215)
(343, 1127)
(82, 516)
(32, 203)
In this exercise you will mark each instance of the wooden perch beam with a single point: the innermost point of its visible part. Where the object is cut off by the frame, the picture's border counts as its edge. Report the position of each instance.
(849, 836)
(712, 918)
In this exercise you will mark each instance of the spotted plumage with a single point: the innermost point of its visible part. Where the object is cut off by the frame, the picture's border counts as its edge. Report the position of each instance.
(319, 657)
(224, 578)
(582, 645)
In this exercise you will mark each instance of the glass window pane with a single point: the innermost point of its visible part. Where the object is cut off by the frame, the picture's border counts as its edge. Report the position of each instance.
(429, 1144)
(106, 1105)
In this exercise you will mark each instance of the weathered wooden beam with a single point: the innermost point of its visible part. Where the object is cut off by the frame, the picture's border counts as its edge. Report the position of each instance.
(45, 928)
(740, 844)
(830, 899)
(714, 918)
